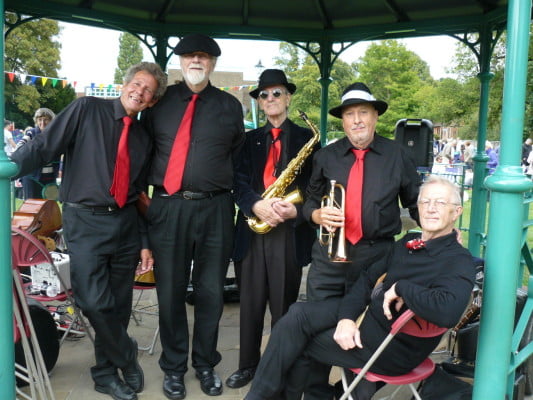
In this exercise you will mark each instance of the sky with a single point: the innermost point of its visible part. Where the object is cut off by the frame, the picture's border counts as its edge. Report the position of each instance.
(89, 55)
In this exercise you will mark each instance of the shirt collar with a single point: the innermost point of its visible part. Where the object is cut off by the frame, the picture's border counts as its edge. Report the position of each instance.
(285, 127)
(436, 246)
(375, 145)
(118, 110)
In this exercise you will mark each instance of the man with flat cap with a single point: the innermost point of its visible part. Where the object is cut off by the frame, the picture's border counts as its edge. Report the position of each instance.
(375, 172)
(269, 265)
(197, 131)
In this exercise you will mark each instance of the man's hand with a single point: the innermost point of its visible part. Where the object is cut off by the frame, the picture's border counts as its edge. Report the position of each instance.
(391, 296)
(347, 335)
(146, 263)
(330, 218)
(285, 209)
(265, 212)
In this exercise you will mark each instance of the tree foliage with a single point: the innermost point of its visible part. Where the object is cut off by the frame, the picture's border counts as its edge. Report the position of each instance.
(302, 70)
(401, 78)
(394, 74)
(129, 53)
(32, 49)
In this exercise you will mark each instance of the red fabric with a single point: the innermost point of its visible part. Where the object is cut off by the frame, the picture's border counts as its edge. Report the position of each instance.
(273, 157)
(180, 148)
(354, 196)
(121, 174)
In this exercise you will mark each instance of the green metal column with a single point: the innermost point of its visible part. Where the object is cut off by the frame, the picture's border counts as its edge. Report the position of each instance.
(479, 193)
(325, 80)
(7, 354)
(161, 56)
(507, 186)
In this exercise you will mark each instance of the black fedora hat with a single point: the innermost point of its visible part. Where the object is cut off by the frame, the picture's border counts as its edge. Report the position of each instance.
(197, 42)
(271, 77)
(358, 93)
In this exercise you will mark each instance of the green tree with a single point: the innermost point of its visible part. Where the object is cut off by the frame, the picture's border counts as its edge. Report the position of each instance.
(394, 74)
(129, 53)
(302, 70)
(32, 49)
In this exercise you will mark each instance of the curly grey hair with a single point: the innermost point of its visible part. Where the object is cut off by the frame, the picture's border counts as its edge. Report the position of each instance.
(153, 69)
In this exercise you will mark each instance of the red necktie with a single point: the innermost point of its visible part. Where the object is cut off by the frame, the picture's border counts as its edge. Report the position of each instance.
(180, 148)
(269, 175)
(354, 196)
(121, 175)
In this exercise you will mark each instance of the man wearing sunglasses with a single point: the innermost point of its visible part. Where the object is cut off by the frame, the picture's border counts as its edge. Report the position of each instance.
(268, 266)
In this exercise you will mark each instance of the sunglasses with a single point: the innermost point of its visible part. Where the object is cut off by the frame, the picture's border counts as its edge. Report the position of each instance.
(275, 92)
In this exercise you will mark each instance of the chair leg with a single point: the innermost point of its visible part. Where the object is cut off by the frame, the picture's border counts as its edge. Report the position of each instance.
(414, 391)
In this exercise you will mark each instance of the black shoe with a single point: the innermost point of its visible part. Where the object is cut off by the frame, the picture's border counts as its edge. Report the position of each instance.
(210, 382)
(133, 374)
(173, 387)
(240, 378)
(117, 389)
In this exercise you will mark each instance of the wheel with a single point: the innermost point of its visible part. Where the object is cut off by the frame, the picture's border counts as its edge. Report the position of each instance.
(46, 331)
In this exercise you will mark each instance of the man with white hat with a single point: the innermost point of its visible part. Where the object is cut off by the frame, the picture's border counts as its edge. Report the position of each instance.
(377, 174)
(197, 131)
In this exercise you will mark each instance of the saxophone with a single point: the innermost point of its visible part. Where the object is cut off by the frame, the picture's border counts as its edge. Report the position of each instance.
(277, 189)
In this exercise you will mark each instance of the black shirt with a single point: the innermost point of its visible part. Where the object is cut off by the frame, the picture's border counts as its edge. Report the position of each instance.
(217, 133)
(435, 283)
(389, 173)
(87, 132)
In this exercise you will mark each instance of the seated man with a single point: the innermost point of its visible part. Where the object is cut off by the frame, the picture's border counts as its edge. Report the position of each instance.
(429, 273)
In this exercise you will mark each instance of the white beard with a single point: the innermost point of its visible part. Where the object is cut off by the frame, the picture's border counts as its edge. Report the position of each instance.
(195, 76)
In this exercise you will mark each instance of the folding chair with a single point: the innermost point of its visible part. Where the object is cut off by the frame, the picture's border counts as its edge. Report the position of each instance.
(27, 250)
(405, 324)
(140, 307)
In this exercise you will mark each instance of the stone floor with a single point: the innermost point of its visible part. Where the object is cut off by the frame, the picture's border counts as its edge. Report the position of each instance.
(71, 379)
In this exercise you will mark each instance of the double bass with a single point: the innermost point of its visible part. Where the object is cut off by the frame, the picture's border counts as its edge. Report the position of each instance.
(39, 217)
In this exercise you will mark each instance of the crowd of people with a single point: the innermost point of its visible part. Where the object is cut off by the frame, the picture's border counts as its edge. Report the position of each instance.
(187, 143)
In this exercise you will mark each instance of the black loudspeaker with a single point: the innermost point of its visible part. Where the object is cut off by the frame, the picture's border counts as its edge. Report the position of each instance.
(417, 136)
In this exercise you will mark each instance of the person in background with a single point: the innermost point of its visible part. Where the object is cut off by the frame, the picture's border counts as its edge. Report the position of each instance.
(469, 154)
(492, 163)
(33, 184)
(271, 262)
(197, 131)
(9, 143)
(526, 150)
(377, 175)
(105, 150)
(429, 273)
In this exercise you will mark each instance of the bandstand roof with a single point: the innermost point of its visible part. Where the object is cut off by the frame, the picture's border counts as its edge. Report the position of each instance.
(319, 21)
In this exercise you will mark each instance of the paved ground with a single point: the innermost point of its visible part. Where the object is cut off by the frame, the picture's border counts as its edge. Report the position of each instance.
(71, 379)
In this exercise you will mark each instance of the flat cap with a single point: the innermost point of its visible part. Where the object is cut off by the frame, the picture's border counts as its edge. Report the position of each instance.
(197, 42)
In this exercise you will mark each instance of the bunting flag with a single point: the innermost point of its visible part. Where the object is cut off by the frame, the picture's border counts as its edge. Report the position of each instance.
(35, 79)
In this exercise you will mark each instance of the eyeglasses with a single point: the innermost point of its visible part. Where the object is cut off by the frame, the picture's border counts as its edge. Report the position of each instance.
(275, 92)
(439, 204)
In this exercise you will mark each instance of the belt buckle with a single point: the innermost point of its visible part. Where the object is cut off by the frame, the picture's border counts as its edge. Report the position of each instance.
(111, 208)
(187, 195)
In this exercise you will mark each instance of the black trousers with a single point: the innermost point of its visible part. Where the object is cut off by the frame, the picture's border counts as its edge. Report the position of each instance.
(183, 232)
(304, 333)
(104, 251)
(268, 274)
(330, 280)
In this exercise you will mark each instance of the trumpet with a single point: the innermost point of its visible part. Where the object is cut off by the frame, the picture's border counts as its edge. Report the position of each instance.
(326, 237)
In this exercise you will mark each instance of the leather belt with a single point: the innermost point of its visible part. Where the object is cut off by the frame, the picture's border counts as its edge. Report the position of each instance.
(188, 195)
(92, 208)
